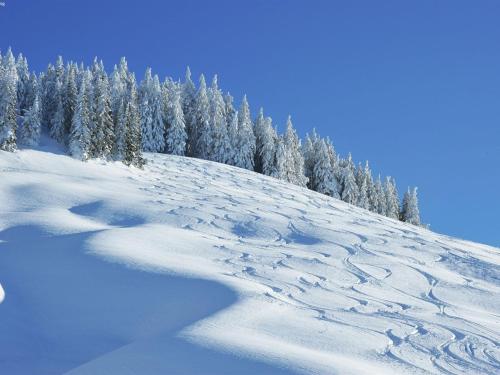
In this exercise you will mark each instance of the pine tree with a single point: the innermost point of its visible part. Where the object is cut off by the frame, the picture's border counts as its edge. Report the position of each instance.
(280, 158)
(295, 160)
(157, 114)
(245, 144)
(202, 132)
(79, 138)
(363, 200)
(32, 127)
(350, 190)
(8, 102)
(379, 199)
(232, 128)
(189, 105)
(23, 75)
(221, 147)
(410, 212)
(57, 128)
(176, 135)
(265, 141)
(309, 158)
(323, 179)
(70, 97)
(132, 152)
(233, 139)
(391, 198)
(145, 95)
(103, 136)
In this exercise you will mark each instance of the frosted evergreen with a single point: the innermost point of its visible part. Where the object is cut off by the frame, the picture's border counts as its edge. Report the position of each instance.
(8, 102)
(176, 135)
(245, 141)
(97, 115)
(79, 137)
(202, 133)
(221, 149)
(323, 178)
(410, 211)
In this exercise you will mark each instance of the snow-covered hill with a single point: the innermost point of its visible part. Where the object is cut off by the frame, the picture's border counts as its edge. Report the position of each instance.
(193, 267)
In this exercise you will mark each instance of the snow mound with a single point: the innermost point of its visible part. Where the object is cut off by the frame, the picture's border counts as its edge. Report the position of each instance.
(190, 267)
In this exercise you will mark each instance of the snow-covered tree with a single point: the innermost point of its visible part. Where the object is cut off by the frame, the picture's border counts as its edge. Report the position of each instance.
(323, 179)
(232, 128)
(245, 143)
(265, 141)
(309, 156)
(202, 131)
(295, 160)
(70, 97)
(350, 190)
(57, 128)
(8, 102)
(79, 137)
(410, 212)
(23, 75)
(188, 101)
(280, 158)
(221, 147)
(176, 134)
(145, 110)
(132, 153)
(391, 198)
(379, 199)
(151, 113)
(32, 127)
(103, 137)
(361, 181)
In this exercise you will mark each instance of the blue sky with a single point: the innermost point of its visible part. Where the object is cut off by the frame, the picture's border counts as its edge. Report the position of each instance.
(414, 87)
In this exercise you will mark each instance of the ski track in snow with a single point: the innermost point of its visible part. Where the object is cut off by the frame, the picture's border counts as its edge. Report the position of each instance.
(323, 287)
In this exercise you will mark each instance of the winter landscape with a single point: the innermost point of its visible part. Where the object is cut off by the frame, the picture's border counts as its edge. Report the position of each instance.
(153, 224)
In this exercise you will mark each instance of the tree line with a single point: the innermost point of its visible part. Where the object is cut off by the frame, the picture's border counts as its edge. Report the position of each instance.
(96, 115)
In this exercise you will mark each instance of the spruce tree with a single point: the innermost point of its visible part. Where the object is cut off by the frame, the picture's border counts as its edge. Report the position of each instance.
(145, 96)
(202, 131)
(232, 128)
(132, 153)
(323, 179)
(379, 198)
(79, 137)
(363, 199)
(23, 75)
(32, 127)
(280, 159)
(8, 102)
(265, 140)
(350, 190)
(245, 144)
(176, 135)
(391, 198)
(103, 137)
(221, 147)
(295, 160)
(70, 97)
(189, 105)
(410, 212)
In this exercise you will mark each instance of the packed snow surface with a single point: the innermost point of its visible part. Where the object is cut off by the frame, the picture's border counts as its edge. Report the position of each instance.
(193, 267)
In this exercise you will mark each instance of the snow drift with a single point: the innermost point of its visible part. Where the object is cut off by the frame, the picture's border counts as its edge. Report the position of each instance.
(193, 267)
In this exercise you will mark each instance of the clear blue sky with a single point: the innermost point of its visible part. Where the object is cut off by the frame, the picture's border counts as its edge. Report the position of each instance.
(412, 86)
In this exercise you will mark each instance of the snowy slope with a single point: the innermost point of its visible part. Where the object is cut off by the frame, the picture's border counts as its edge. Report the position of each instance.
(192, 267)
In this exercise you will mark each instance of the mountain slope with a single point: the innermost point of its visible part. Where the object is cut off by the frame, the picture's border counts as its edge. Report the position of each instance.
(195, 267)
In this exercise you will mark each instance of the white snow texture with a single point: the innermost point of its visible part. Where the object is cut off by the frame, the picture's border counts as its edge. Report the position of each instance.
(194, 267)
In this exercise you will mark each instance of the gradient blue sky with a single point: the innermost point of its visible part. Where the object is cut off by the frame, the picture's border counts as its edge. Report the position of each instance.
(413, 86)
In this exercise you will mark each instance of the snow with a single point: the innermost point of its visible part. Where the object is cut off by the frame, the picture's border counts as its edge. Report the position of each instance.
(190, 267)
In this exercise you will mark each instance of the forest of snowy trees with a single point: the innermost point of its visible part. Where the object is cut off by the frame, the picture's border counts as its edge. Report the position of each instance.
(96, 115)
